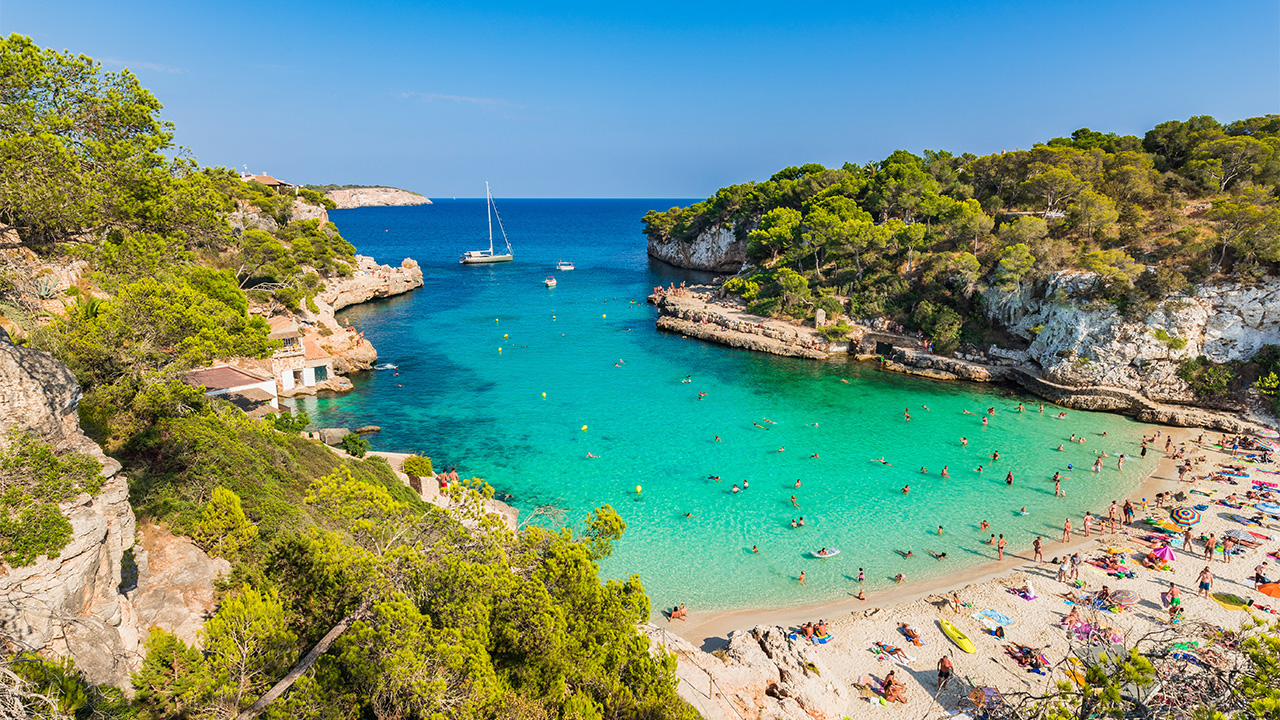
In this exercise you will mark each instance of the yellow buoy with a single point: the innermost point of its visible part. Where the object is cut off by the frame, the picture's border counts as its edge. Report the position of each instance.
(584, 428)
(604, 316)
(499, 349)
(544, 396)
(505, 336)
(637, 489)
(495, 319)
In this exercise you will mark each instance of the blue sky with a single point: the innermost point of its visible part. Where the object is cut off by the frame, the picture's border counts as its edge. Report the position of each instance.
(655, 99)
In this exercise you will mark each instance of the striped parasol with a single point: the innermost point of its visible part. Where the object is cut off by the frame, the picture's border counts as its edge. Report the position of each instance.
(1186, 516)
(1123, 597)
(1267, 433)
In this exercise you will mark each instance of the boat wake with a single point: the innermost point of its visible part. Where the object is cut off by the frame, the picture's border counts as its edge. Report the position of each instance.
(386, 366)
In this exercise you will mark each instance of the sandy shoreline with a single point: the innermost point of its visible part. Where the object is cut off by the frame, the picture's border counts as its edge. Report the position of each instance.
(710, 630)
(856, 626)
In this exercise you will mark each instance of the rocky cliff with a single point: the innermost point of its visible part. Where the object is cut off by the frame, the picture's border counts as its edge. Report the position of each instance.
(246, 216)
(79, 604)
(716, 249)
(370, 282)
(374, 197)
(1075, 340)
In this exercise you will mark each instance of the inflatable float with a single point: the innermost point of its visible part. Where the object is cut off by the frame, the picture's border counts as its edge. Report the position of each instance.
(829, 552)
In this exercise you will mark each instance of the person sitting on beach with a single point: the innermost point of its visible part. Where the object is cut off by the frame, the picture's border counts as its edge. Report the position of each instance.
(899, 578)
(1103, 595)
(909, 633)
(893, 688)
(862, 595)
(807, 629)
(821, 628)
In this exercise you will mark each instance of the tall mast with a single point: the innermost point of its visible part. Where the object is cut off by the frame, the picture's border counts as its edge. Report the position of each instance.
(488, 208)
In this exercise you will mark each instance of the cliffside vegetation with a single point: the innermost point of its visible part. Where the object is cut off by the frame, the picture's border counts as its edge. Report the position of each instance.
(349, 595)
(916, 238)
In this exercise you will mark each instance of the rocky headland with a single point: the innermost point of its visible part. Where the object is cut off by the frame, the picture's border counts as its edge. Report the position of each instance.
(716, 249)
(347, 198)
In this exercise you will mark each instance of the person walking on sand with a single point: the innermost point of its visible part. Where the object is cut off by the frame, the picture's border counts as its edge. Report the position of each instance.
(1066, 531)
(1075, 566)
(1128, 513)
(944, 672)
(1206, 582)
(1035, 547)
(1228, 542)
(1000, 547)
(1209, 546)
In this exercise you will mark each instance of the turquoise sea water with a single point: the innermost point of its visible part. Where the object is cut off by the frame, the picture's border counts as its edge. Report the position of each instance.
(465, 403)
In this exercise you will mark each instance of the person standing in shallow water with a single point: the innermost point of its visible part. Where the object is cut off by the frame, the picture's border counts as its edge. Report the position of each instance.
(1000, 547)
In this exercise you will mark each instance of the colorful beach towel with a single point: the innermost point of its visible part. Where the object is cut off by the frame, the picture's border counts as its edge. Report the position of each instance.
(993, 617)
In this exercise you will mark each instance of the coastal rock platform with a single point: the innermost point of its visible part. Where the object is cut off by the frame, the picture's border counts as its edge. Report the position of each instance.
(698, 315)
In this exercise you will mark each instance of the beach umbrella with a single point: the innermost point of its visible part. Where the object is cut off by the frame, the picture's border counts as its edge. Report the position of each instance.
(1124, 597)
(1269, 445)
(1272, 589)
(1238, 534)
(1185, 516)
(1165, 552)
(1268, 508)
(1267, 433)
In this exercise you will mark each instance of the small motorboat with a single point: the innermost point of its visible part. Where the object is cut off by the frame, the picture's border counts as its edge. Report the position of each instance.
(550, 281)
(563, 266)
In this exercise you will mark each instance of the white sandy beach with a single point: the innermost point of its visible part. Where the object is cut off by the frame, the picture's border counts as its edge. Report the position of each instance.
(856, 625)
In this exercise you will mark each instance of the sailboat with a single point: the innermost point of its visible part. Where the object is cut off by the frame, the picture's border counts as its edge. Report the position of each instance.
(480, 257)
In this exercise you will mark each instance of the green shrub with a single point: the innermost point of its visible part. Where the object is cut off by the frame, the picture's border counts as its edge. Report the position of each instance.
(1206, 378)
(223, 530)
(1171, 342)
(33, 481)
(288, 422)
(355, 445)
(837, 332)
(419, 466)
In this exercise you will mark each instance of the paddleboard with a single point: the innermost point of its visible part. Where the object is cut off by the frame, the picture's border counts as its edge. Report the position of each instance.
(1075, 671)
(831, 552)
(961, 640)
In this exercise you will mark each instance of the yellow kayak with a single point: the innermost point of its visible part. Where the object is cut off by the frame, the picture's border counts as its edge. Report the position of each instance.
(960, 639)
(1075, 671)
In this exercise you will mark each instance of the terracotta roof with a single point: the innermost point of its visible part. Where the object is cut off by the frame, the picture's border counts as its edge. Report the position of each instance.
(264, 179)
(222, 378)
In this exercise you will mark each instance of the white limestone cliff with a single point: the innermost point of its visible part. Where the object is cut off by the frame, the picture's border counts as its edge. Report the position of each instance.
(716, 249)
(375, 197)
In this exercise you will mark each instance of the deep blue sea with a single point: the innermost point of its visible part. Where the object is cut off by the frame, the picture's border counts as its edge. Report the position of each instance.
(477, 348)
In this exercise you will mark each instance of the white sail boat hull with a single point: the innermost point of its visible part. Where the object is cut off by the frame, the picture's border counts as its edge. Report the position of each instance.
(481, 257)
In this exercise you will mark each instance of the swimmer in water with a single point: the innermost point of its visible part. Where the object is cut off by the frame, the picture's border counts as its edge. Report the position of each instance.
(714, 477)
(1060, 448)
(782, 449)
(688, 516)
(755, 549)
(701, 395)
(964, 442)
(592, 455)
(923, 470)
(717, 438)
(794, 503)
(814, 456)
(939, 556)
(906, 554)
(966, 412)
(882, 461)
(801, 521)
(984, 525)
(945, 474)
(846, 382)
(926, 407)
(797, 483)
(736, 489)
(979, 469)
(984, 421)
(899, 578)
(1023, 511)
(906, 489)
(759, 426)
(744, 485)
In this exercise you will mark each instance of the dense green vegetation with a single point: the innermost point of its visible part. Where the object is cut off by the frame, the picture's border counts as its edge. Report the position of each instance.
(33, 480)
(919, 238)
(388, 607)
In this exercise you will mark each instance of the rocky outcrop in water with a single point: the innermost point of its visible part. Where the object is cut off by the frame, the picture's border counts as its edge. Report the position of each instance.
(698, 315)
(371, 281)
(375, 197)
(716, 249)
